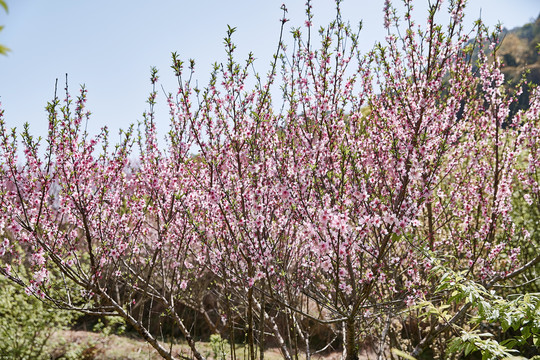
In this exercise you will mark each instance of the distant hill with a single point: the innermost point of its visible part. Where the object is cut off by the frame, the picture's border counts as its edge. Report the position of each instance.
(519, 52)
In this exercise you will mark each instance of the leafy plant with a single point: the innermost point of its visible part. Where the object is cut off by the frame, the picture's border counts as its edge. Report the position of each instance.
(3, 50)
(218, 346)
(26, 323)
(110, 325)
(519, 312)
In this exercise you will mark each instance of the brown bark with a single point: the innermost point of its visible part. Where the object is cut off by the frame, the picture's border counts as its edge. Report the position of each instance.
(351, 347)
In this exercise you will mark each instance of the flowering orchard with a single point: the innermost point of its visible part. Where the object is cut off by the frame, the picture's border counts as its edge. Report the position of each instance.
(310, 227)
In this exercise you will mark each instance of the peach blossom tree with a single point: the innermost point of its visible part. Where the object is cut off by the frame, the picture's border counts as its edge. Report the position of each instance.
(272, 221)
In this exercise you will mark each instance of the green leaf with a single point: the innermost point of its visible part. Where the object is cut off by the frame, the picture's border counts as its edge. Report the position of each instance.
(402, 354)
(4, 5)
(526, 332)
(509, 343)
(505, 323)
(4, 50)
(469, 348)
(485, 335)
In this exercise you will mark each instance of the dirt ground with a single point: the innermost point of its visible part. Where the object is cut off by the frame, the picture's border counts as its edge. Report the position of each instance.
(87, 345)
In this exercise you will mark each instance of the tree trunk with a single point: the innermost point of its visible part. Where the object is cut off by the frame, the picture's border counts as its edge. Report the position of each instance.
(351, 346)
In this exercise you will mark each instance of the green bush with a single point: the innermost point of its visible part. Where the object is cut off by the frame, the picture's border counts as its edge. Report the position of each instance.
(517, 316)
(110, 325)
(26, 323)
(218, 346)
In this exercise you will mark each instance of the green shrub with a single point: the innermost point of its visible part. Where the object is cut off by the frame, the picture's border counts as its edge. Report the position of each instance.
(26, 323)
(517, 316)
(218, 346)
(110, 325)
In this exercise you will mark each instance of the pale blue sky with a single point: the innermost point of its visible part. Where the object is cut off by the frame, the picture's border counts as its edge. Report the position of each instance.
(110, 45)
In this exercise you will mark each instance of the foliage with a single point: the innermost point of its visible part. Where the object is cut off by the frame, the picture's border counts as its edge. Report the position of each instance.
(401, 354)
(527, 217)
(26, 323)
(218, 346)
(110, 325)
(491, 314)
(3, 50)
